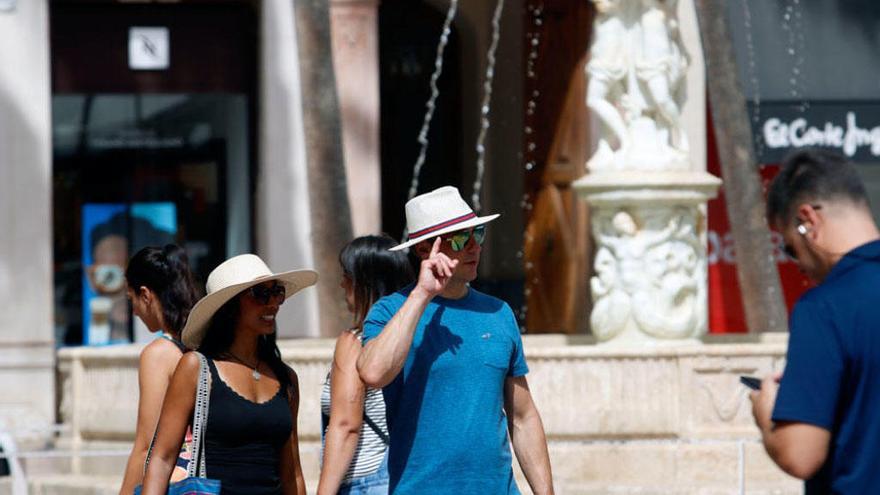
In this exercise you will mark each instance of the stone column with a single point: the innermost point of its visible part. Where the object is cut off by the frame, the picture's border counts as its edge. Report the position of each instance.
(646, 189)
(283, 211)
(328, 192)
(26, 328)
(354, 30)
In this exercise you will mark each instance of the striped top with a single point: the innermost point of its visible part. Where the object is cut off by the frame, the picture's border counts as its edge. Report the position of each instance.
(370, 449)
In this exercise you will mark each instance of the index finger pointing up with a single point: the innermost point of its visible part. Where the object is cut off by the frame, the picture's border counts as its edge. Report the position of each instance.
(435, 248)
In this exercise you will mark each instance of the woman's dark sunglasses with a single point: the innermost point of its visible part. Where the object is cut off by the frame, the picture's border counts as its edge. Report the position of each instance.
(460, 239)
(263, 294)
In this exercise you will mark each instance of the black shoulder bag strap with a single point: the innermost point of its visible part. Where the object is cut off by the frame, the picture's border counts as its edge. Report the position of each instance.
(375, 428)
(325, 422)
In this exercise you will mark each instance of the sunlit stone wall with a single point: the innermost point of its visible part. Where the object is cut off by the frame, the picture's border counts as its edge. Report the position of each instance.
(669, 419)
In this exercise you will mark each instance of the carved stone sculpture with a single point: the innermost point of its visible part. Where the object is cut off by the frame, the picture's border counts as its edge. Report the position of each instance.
(636, 72)
(648, 275)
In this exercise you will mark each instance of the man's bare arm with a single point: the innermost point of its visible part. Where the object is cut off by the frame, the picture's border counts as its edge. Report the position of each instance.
(527, 435)
(799, 449)
(384, 356)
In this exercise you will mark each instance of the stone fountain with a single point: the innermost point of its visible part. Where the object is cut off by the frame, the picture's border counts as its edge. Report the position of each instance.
(647, 200)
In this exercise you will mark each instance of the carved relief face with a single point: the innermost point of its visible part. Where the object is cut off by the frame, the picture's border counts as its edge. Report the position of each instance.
(605, 6)
(625, 224)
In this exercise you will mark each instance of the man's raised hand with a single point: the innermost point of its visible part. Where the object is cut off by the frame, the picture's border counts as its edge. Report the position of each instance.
(436, 271)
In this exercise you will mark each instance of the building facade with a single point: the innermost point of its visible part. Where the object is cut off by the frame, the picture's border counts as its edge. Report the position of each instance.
(124, 125)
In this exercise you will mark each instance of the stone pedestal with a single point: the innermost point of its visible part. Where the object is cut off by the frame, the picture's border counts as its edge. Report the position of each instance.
(355, 38)
(650, 265)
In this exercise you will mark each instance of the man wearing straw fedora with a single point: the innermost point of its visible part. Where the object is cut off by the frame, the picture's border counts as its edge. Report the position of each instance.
(451, 364)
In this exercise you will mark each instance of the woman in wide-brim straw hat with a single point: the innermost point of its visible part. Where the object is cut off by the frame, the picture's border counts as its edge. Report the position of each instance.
(250, 440)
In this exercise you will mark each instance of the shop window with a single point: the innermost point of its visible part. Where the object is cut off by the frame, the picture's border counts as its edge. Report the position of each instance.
(137, 170)
(152, 128)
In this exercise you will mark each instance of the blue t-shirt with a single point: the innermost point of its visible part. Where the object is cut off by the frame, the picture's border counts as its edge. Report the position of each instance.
(445, 413)
(832, 375)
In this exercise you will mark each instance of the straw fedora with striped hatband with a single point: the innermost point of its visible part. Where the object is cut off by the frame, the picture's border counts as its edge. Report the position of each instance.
(438, 212)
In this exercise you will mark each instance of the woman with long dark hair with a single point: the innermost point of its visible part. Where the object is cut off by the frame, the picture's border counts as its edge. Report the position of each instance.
(355, 433)
(162, 292)
(250, 438)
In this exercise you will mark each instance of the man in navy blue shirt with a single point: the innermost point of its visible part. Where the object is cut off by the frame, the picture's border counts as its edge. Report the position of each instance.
(451, 365)
(824, 424)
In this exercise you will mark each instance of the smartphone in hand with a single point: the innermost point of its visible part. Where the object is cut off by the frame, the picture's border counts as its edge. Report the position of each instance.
(751, 382)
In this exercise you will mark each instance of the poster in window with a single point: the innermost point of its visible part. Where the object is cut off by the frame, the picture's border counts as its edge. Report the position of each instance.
(112, 232)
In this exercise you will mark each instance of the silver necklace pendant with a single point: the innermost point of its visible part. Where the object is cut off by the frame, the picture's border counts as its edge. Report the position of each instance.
(256, 374)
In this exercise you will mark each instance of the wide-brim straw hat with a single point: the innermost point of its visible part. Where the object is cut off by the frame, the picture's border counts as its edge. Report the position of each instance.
(436, 213)
(230, 278)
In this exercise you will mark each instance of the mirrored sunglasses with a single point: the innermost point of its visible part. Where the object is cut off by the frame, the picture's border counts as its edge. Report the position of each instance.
(459, 239)
(263, 294)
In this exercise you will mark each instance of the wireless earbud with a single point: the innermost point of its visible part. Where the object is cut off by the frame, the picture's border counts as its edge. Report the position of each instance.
(802, 229)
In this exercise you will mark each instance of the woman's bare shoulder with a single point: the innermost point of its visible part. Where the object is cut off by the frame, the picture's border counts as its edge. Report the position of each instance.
(160, 354)
(349, 339)
(348, 348)
(190, 361)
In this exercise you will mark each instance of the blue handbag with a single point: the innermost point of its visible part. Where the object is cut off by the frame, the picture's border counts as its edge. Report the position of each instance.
(195, 482)
(190, 486)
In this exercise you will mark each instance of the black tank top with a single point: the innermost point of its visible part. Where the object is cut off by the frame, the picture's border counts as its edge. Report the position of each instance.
(244, 439)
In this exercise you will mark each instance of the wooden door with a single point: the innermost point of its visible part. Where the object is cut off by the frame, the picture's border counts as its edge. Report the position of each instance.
(557, 241)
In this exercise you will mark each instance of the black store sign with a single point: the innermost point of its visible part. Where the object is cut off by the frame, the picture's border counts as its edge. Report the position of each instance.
(850, 128)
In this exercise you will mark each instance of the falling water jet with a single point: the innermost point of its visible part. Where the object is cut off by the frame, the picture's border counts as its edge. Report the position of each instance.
(529, 161)
(792, 23)
(485, 107)
(753, 79)
(431, 104)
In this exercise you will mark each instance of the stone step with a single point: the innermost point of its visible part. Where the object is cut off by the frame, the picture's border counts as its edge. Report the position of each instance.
(66, 484)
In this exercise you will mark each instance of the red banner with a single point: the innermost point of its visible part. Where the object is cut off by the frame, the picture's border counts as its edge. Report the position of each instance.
(726, 314)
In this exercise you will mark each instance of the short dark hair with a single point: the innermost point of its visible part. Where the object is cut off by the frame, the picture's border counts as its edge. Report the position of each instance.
(374, 271)
(812, 175)
(165, 271)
